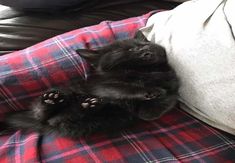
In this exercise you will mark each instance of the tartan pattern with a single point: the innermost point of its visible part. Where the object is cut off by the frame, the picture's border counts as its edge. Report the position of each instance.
(175, 137)
(26, 74)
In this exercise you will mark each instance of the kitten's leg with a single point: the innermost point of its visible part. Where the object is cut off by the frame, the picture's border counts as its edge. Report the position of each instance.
(34, 119)
(153, 109)
(84, 99)
(119, 91)
(50, 103)
(20, 120)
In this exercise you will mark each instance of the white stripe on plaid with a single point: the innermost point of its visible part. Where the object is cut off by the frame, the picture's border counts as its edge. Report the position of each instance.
(170, 135)
(89, 151)
(69, 52)
(138, 149)
(9, 98)
(230, 142)
(18, 143)
(33, 67)
(190, 156)
(141, 20)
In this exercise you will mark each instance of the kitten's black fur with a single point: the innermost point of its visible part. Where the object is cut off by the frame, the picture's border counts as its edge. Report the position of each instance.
(130, 80)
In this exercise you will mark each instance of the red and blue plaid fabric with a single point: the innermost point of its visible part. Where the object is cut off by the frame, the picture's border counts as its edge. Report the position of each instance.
(176, 137)
(25, 74)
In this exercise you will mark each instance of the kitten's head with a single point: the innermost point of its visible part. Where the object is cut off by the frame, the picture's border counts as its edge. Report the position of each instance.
(129, 54)
(140, 65)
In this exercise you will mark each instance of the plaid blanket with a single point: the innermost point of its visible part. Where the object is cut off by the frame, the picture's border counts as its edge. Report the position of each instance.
(26, 74)
(176, 137)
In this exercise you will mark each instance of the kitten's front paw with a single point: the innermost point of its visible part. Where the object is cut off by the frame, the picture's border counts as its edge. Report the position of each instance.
(155, 94)
(91, 103)
(150, 96)
(53, 97)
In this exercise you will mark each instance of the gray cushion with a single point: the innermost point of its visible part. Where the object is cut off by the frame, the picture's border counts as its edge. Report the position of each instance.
(199, 39)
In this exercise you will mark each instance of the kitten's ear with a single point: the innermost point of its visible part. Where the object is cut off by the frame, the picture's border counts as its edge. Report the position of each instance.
(92, 56)
(140, 36)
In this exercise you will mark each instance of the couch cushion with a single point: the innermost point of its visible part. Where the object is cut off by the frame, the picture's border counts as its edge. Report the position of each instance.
(19, 29)
(43, 5)
(201, 48)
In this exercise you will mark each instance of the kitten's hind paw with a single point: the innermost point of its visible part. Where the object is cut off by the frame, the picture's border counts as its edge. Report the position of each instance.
(91, 103)
(53, 97)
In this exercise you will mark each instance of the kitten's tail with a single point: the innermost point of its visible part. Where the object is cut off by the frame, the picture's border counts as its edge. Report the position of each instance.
(21, 120)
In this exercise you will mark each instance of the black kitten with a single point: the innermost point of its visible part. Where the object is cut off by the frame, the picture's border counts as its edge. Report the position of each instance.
(130, 80)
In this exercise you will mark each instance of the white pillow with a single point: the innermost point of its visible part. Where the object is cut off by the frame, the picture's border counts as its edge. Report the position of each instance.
(199, 39)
